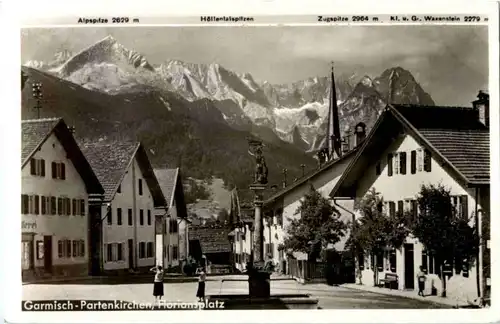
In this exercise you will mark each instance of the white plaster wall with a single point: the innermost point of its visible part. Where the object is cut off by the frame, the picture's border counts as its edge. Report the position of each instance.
(60, 227)
(400, 187)
(171, 239)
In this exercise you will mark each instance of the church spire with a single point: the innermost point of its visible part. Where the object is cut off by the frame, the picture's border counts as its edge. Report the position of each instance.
(333, 131)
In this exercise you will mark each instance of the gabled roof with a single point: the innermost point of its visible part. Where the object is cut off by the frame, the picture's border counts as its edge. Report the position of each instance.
(35, 132)
(305, 179)
(111, 160)
(213, 238)
(167, 178)
(453, 135)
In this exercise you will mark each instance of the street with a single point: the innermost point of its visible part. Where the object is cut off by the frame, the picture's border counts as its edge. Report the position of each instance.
(330, 297)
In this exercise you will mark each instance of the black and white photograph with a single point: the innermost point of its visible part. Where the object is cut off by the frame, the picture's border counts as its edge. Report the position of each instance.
(253, 167)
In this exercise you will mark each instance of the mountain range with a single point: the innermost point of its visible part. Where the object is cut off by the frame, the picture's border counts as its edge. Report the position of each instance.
(294, 113)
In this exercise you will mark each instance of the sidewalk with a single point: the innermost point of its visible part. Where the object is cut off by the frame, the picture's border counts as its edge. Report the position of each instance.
(409, 294)
(132, 278)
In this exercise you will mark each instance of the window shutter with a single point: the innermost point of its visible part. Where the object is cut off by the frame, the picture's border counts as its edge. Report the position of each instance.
(53, 206)
(33, 167)
(63, 171)
(427, 161)
(54, 170)
(420, 160)
(389, 164)
(82, 248)
(68, 206)
(44, 206)
(82, 207)
(424, 260)
(401, 207)
(37, 204)
(25, 204)
(59, 206)
(465, 207)
(60, 249)
(402, 162)
(75, 248)
(392, 208)
(73, 203)
(68, 248)
(42, 167)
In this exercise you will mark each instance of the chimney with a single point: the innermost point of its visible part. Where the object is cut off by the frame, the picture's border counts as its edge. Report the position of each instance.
(482, 106)
(359, 134)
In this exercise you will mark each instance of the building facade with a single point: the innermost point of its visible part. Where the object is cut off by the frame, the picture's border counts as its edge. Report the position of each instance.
(132, 202)
(57, 182)
(411, 146)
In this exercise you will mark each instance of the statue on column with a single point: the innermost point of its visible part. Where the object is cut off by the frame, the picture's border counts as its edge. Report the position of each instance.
(261, 170)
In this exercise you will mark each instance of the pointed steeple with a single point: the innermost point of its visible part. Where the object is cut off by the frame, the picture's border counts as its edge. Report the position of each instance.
(334, 144)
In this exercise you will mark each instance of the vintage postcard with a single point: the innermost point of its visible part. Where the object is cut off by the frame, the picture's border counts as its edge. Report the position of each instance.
(177, 161)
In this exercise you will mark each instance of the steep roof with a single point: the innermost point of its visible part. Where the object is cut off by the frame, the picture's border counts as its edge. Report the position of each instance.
(454, 136)
(35, 132)
(167, 178)
(213, 238)
(111, 160)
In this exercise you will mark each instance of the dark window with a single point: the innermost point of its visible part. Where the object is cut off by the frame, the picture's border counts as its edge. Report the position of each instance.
(119, 216)
(68, 248)
(392, 261)
(142, 250)
(63, 171)
(141, 217)
(130, 223)
(59, 206)
(53, 206)
(54, 170)
(401, 207)
(380, 261)
(140, 187)
(109, 252)
(74, 206)
(149, 217)
(60, 249)
(25, 204)
(119, 256)
(378, 168)
(392, 208)
(33, 167)
(424, 261)
(427, 161)
(361, 261)
(464, 208)
(110, 216)
(175, 252)
(37, 204)
(149, 250)
(42, 166)
(82, 207)
(389, 164)
(402, 163)
(413, 162)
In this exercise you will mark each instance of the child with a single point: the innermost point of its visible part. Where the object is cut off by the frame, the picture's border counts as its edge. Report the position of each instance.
(158, 282)
(201, 284)
(421, 281)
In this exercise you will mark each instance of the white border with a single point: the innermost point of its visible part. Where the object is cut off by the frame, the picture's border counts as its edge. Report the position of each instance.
(10, 148)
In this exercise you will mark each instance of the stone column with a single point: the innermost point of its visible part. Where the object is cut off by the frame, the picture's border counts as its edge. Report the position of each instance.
(258, 225)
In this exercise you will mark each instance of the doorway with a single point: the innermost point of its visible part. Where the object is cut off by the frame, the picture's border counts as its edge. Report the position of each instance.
(409, 266)
(130, 254)
(47, 253)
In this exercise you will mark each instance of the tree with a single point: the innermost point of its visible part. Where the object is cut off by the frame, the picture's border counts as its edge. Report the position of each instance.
(445, 235)
(376, 231)
(318, 227)
(194, 191)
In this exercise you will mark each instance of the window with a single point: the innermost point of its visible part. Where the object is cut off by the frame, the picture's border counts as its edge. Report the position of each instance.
(39, 250)
(64, 248)
(414, 209)
(380, 261)
(427, 161)
(140, 187)
(173, 226)
(420, 160)
(149, 250)
(392, 209)
(68, 206)
(58, 170)
(119, 216)
(110, 216)
(378, 168)
(119, 190)
(25, 204)
(460, 206)
(142, 250)
(59, 206)
(424, 261)
(361, 261)
(149, 217)
(109, 252)
(82, 248)
(73, 203)
(68, 248)
(401, 207)
(53, 206)
(60, 249)
(141, 217)
(396, 163)
(175, 252)
(402, 162)
(45, 204)
(75, 248)
(30, 204)
(82, 207)
(130, 222)
(119, 254)
(392, 261)
(413, 162)
(389, 164)
(37, 167)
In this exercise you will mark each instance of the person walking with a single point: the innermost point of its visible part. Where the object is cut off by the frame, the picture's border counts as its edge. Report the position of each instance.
(158, 282)
(201, 284)
(421, 281)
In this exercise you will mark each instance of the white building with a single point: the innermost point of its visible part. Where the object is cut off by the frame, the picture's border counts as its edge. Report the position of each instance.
(57, 181)
(133, 201)
(176, 243)
(411, 146)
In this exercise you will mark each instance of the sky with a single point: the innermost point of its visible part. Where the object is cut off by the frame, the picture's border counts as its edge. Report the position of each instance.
(449, 62)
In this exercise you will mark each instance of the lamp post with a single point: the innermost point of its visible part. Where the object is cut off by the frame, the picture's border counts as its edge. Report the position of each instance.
(37, 95)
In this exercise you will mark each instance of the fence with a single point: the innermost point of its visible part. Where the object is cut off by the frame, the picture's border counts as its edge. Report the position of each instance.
(306, 271)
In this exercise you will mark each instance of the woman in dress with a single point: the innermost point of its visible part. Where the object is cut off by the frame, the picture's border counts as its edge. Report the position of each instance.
(158, 283)
(201, 284)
